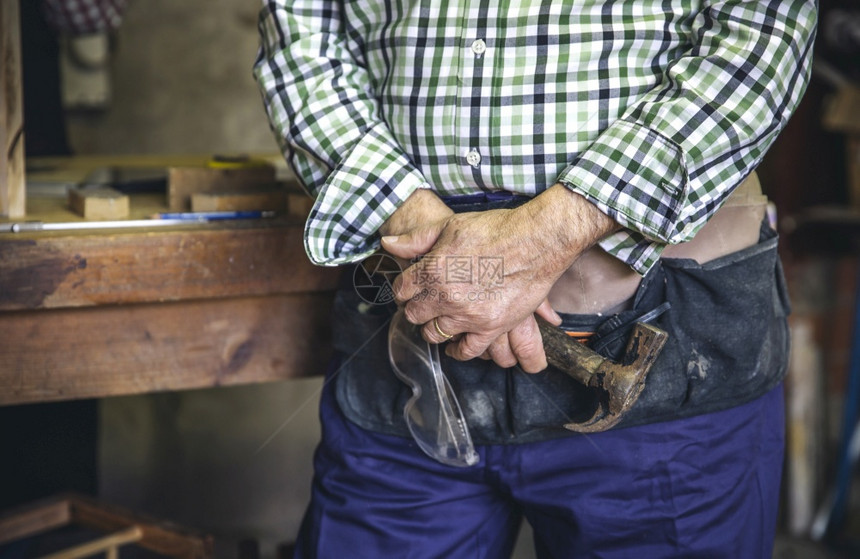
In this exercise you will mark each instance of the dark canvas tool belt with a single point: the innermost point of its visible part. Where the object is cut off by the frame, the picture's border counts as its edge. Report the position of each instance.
(728, 344)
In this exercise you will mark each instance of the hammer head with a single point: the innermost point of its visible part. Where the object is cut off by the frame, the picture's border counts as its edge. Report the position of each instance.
(618, 384)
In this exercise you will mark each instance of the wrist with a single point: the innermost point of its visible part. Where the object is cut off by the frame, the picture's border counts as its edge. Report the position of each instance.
(565, 224)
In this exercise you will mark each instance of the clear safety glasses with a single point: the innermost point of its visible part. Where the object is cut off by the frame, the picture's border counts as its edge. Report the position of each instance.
(433, 413)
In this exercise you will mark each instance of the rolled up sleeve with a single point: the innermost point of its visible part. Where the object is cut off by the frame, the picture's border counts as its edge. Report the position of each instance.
(326, 118)
(666, 166)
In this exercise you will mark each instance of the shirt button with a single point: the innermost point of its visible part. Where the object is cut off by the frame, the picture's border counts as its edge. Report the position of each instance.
(473, 158)
(479, 46)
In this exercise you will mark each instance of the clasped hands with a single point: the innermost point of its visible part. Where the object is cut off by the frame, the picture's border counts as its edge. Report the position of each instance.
(484, 276)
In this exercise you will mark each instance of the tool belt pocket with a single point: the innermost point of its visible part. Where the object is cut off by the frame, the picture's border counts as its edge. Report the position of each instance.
(728, 344)
(366, 389)
(728, 332)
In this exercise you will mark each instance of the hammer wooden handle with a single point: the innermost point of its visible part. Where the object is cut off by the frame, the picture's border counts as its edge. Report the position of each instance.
(568, 354)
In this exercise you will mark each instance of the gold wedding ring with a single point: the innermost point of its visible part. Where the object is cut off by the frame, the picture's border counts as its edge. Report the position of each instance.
(441, 333)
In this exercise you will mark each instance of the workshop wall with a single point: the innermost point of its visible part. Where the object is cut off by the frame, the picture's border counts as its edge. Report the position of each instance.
(180, 77)
(180, 74)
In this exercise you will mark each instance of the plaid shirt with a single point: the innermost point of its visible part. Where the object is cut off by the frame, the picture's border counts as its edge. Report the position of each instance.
(652, 110)
(81, 17)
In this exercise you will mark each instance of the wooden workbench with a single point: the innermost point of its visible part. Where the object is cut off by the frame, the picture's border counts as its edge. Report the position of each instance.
(101, 313)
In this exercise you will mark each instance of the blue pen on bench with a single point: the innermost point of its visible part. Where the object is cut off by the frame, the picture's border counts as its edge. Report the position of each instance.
(213, 216)
(162, 219)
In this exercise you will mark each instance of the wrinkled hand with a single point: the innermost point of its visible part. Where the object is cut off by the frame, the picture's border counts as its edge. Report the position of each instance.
(491, 316)
(523, 345)
(418, 224)
(420, 217)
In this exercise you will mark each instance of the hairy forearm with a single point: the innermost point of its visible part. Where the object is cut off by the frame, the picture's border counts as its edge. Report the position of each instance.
(559, 225)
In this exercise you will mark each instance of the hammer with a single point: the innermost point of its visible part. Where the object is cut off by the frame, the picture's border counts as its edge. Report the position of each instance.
(619, 383)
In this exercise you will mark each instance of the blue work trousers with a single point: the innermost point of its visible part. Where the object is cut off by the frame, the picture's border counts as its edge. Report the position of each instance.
(706, 486)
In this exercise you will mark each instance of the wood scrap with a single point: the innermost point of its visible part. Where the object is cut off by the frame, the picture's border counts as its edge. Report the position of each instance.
(183, 182)
(99, 203)
(300, 204)
(274, 199)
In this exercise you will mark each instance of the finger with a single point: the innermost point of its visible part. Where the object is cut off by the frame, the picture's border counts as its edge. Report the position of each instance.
(439, 330)
(421, 277)
(471, 345)
(546, 312)
(527, 346)
(423, 308)
(417, 242)
(500, 352)
(402, 263)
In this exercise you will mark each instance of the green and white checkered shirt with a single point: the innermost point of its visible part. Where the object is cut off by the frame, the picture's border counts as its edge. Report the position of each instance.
(654, 110)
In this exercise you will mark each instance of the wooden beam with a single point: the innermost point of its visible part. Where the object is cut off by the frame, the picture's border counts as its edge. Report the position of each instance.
(300, 204)
(106, 544)
(30, 520)
(274, 199)
(115, 350)
(12, 195)
(66, 509)
(183, 182)
(42, 271)
(160, 536)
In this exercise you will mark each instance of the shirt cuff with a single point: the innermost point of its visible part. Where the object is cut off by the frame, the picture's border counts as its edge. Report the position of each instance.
(639, 178)
(370, 183)
(636, 176)
(633, 249)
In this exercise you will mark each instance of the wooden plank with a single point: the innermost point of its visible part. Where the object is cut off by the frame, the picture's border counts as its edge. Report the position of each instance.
(300, 204)
(75, 169)
(182, 182)
(99, 203)
(113, 350)
(160, 536)
(30, 520)
(12, 189)
(55, 209)
(274, 199)
(67, 509)
(261, 257)
(106, 544)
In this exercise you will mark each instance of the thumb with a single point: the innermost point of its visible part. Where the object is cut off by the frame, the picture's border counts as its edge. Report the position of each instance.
(416, 242)
(546, 312)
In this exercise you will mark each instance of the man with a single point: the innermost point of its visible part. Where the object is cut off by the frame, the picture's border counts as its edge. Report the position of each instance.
(594, 152)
